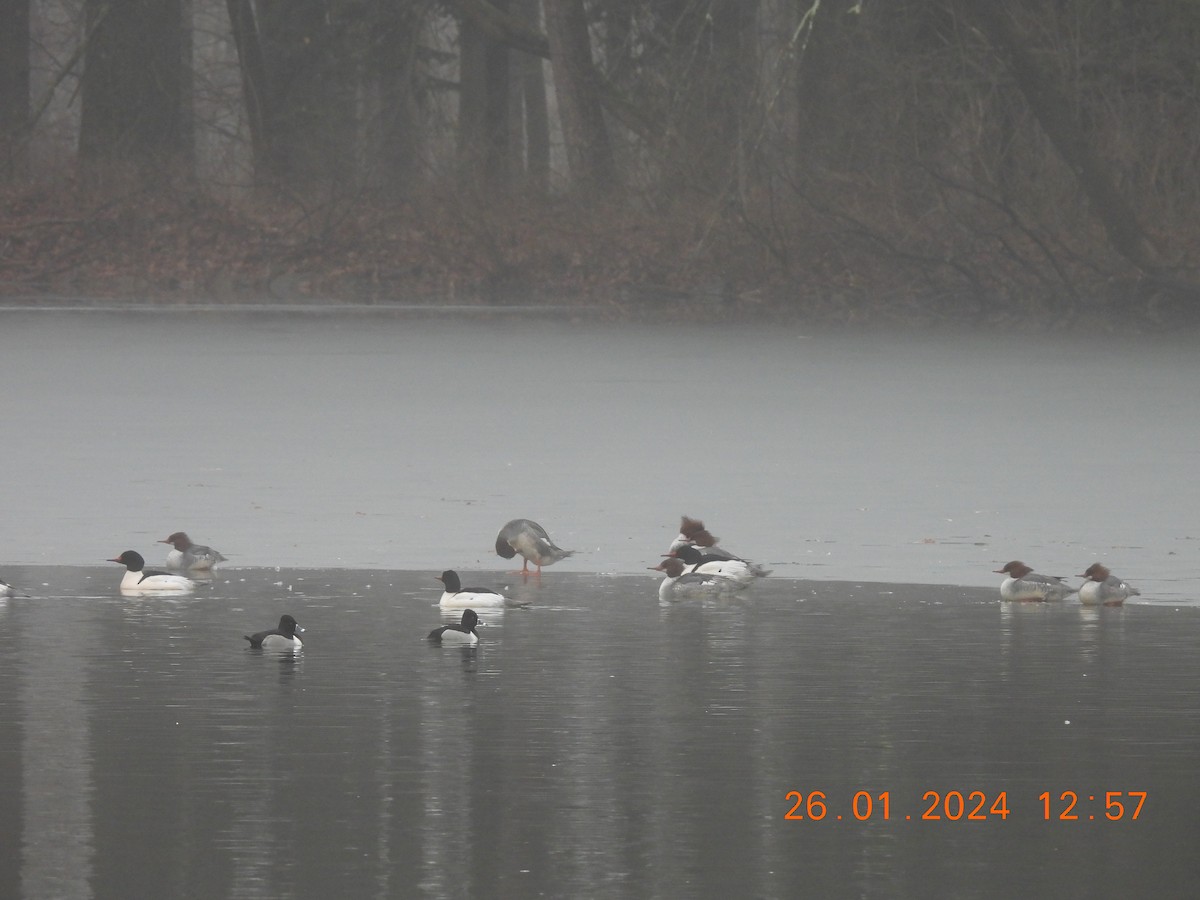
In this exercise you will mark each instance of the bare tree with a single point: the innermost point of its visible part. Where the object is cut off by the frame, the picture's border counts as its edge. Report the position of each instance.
(396, 64)
(1059, 118)
(132, 86)
(589, 152)
(531, 122)
(483, 111)
(14, 86)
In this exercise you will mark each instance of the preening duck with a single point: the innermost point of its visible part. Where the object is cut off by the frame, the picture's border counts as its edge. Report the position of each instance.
(529, 539)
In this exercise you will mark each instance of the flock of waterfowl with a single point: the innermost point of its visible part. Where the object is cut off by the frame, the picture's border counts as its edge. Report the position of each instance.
(692, 566)
(1100, 586)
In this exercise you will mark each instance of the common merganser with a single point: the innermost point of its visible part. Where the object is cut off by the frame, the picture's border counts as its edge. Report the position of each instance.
(462, 633)
(1023, 583)
(6, 589)
(140, 580)
(692, 533)
(285, 637)
(739, 570)
(530, 539)
(458, 597)
(189, 556)
(679, 583)
(1103, 587)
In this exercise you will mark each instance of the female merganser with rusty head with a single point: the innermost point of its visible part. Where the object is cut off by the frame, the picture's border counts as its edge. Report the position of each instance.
(458, 597)
(282, 638)
(1023, 583)
(189, 556)
(1104, 588)
(679, 583)
(461, 633)
(530, 539)
(692, 533)
(140, 580)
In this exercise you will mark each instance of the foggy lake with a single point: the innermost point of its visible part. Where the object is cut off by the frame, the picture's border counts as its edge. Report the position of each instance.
(598, 742)
(405, 442)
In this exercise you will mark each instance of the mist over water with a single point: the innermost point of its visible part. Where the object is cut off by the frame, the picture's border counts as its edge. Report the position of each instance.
(597, 743)
(404, 442)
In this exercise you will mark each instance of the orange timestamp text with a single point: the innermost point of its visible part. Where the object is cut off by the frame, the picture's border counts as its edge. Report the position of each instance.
(967, 806)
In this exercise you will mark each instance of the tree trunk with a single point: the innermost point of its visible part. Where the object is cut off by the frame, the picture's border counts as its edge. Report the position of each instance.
(589, 153)
(483, 137)
(14, 87)
(533, 124)
(299, 89)
(255, 93)
(722, 93)
(132, 86)
(396, 66)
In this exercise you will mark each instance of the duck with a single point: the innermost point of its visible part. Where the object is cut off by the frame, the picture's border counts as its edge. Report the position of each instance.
(285, 637)
(1023, 583)
(680, 583)
(462, 633)
(692, 533)
(189, 556)
(456, 596)
(1102, 587)
(6, 590)
(140, 580)
(530, 539)
(739, 570)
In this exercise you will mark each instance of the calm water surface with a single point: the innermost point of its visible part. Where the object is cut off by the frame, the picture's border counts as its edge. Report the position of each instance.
(595, 744)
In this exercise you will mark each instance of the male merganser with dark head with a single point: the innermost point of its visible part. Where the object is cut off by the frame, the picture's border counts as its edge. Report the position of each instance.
(1023, 583)
(285, 637)
(705, 564)
(533, 543)
(6, 589)
(1103, 587)
(462, 633)
(189, 556)
(679, 583)
(140, 580)
(458, 597)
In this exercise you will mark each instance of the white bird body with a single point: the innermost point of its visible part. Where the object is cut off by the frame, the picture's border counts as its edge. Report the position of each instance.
(680, 584)
(462, 632)
(140, 580)
(458, 597)
(1102, 588)
(285, 637)
(1023, 583)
